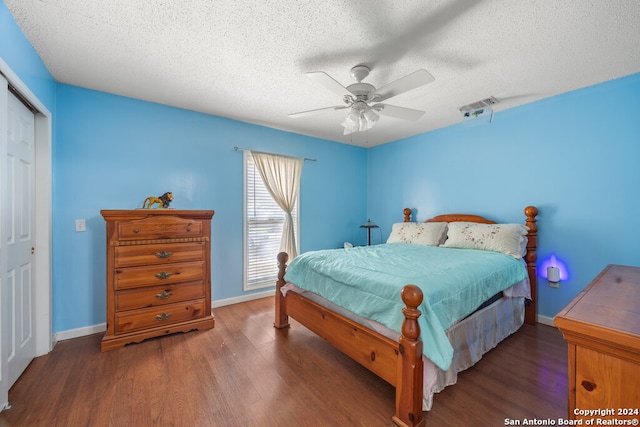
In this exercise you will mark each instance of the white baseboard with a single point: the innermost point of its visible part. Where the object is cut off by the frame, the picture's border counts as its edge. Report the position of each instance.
(79, 332)
(243, 298)
(101, 327)
(545, 320)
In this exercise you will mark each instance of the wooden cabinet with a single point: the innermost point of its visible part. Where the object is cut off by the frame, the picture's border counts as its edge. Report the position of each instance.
(158, 273)
(602, 329)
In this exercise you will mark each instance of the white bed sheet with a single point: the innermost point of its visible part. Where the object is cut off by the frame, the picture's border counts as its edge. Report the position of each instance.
(470, 338)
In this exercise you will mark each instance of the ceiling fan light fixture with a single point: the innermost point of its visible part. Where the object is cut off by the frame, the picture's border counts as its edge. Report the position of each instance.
(351, 120)
(359, 120)
(351, 123)
(371, 116)
(363, 124)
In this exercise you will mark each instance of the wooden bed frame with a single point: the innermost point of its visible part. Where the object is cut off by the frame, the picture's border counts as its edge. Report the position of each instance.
(397, 362)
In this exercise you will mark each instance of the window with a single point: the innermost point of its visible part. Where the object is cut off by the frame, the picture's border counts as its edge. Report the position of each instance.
(263, 223)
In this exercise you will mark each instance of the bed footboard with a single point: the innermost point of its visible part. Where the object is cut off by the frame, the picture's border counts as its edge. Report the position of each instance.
(399, 363)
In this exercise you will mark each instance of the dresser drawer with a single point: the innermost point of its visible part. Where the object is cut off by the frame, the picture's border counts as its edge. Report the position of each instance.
(160, 227)
(134, 320)
(158, 275)
(128, 256)
(157, 295)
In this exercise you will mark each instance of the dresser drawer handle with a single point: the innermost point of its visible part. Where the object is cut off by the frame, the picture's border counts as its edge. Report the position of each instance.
(588, 385)
(163, 275)
(189, 226)
(163, 316)
(163, 254)
(135, 230)
(164, 295)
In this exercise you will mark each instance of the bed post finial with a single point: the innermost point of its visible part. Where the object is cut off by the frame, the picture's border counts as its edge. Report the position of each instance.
(282, 319)
(412, 297)
(407, 214)
(531, 212)
(531, 310)
(410, 369)
(283, 258)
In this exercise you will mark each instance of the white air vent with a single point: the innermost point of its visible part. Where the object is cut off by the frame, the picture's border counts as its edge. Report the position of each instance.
(478, 105)
(479, 112)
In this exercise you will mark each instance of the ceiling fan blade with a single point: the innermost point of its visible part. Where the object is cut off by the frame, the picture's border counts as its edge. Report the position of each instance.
(398, 112)
(329, 82)
(404, 84)
(319, 110)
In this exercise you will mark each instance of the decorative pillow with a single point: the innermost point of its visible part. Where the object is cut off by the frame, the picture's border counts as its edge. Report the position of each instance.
(510, 239)
(418, 233)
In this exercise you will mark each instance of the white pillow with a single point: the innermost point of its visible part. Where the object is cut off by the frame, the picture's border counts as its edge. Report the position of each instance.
(509, 239)
(418, 233)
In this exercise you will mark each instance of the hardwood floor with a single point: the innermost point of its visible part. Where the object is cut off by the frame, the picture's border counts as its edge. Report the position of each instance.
(246, 373)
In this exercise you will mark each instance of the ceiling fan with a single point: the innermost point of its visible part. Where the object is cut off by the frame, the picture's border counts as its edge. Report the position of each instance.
(359, 96)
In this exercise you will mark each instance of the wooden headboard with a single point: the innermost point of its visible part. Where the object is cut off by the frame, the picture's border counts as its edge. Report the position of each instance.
(531, 212)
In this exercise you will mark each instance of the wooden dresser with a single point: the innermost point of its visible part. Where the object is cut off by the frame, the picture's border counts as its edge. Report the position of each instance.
(158, 273)
(602, 328)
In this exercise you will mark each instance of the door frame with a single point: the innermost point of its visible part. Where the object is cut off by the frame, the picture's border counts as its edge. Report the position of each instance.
(43, 213)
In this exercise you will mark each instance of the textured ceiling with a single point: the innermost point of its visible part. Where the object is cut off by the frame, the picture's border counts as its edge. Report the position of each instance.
(247, 59)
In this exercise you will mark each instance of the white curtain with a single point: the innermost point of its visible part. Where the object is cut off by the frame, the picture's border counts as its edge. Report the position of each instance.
(281, 176)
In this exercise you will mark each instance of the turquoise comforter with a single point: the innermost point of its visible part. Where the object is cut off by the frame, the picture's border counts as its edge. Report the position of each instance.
(367, 281)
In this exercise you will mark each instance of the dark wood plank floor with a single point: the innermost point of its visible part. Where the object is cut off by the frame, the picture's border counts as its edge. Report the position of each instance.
(246, 373)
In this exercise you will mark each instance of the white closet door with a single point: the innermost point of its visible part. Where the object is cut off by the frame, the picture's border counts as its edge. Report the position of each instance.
(17, 201)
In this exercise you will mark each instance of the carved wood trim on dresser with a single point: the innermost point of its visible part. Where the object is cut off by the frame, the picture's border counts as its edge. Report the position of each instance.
(158, 273)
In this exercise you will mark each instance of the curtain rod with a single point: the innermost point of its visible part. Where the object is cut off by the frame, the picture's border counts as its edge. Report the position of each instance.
(246, 149)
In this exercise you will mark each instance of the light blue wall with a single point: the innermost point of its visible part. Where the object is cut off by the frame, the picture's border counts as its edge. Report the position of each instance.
(22, 58)
(575, 156)
(112, 152)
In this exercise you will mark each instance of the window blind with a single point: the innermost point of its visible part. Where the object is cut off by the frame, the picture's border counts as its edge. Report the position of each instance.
(263, 230)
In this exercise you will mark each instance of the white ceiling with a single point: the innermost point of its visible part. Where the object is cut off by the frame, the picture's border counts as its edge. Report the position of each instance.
(246, 59)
